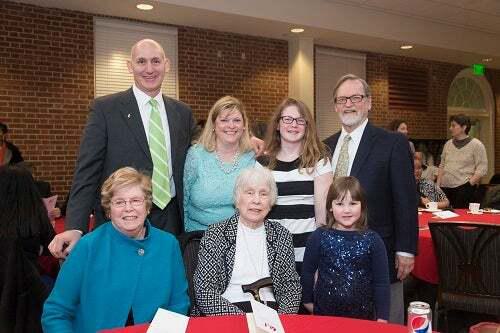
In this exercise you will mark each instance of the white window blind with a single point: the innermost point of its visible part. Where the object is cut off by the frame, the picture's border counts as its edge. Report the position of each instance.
(113, 40)
(330, 65)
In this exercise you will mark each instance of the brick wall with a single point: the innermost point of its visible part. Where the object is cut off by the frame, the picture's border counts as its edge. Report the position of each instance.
(46, 84)
(213, 64)
(46, 80)
(433, 123)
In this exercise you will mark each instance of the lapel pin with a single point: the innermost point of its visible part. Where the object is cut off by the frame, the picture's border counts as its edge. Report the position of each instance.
(128, 116)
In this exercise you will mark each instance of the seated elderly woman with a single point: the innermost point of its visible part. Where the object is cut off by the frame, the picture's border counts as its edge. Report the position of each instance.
(123, 271)
(427, 189)
(246, 248)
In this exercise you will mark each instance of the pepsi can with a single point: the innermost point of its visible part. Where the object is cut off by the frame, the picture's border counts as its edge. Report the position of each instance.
(419, 318)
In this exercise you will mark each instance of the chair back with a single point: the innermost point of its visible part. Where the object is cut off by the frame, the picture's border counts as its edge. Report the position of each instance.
(190, 245)
(468, 256)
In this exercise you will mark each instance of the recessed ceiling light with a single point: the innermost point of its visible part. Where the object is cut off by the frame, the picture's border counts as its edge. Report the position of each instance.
(487, 59)
(297, 30)
(406, 47)
(144, 6)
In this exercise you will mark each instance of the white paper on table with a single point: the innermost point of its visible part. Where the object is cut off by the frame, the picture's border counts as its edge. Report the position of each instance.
(50, 203)
(166, 321)
(266, 319)
(445, 214)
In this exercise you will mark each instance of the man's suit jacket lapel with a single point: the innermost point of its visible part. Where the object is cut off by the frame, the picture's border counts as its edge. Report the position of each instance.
(364, 148)
(132, 117)
(173, 127)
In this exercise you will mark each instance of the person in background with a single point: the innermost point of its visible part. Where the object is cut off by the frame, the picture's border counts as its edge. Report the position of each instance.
(122, 272)
(383, 164)
(428, 191)
(350, 260)
(9, 153)
(463, 163)
(25, 233)
(213, 164)
(429, 172)
(301, 166)
(244, 249)
(400, 126)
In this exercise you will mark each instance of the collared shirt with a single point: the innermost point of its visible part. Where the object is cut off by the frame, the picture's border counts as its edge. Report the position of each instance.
(353, 145)
(145, 111)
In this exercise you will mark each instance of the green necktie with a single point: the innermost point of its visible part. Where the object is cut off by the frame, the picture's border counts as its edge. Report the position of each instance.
(343, 161)
(158, 149)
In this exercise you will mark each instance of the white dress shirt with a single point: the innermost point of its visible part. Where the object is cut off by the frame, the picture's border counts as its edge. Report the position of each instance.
(145, 111)
(353, 145)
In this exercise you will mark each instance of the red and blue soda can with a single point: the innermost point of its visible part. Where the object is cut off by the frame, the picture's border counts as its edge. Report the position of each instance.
(419, 318)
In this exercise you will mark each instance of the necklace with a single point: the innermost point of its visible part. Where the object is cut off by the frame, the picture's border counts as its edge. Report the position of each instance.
(249, 253)
(233, 164)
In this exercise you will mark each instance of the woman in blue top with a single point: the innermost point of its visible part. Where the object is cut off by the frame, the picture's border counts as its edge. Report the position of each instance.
(122, 272)
(213, 164)
(351, 262)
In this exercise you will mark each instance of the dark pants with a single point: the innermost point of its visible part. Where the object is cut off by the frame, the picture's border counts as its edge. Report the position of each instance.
(168, 219)
(461, 196)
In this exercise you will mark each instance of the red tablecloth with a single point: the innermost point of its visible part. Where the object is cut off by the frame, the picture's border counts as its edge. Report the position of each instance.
(425, 262)
(291, 324)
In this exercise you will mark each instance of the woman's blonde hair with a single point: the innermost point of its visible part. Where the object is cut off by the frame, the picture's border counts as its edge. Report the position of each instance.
(313, 150)
(226, 103)
(338, 191)
(125, 177)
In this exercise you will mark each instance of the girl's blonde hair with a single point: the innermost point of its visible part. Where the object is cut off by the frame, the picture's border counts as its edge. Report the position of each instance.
(227, 103)
(313, 150)
(338, 191)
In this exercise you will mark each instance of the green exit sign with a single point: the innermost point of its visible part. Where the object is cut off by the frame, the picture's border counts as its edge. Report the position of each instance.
(478, 69)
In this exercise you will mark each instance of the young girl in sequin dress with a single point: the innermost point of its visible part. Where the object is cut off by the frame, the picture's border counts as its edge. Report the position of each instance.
(351, 261)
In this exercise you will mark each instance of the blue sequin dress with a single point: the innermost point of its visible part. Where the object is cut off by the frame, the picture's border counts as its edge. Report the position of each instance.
(353, 274)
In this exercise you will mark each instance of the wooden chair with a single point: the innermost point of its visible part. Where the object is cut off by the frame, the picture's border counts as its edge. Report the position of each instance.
(468, 256)
(190, 245)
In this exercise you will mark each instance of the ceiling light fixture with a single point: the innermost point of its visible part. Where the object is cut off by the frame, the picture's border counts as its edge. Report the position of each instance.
(406, 47)
(487, 59)
(144, 6)
(297, 30)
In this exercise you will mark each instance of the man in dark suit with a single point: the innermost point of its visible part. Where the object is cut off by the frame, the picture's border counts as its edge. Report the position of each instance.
(118, 134)
(383, 164)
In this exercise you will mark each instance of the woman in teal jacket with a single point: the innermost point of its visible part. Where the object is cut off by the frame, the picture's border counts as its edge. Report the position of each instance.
(122, 272)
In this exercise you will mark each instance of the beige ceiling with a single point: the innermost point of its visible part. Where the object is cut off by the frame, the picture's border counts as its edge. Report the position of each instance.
(457, 31)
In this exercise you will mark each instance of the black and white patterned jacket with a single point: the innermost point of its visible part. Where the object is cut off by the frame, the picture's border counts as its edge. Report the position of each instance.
(216, 262)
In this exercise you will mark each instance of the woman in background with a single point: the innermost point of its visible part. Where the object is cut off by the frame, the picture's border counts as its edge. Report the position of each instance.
(463, 163)
(398, 125)
(214, 162)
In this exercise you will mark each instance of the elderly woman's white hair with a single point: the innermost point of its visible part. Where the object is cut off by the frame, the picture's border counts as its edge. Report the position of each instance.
(252, 177)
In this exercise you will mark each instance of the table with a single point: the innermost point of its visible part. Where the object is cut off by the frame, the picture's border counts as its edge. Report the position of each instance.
(291, 324)
(425, 262)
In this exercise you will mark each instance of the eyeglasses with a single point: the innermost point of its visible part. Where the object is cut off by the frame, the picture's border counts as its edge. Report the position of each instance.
(354, 99)
(134, 202)
(289, 120)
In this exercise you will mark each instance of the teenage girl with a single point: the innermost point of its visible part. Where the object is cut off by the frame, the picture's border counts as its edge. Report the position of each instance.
(353, 274)
(301, 167)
